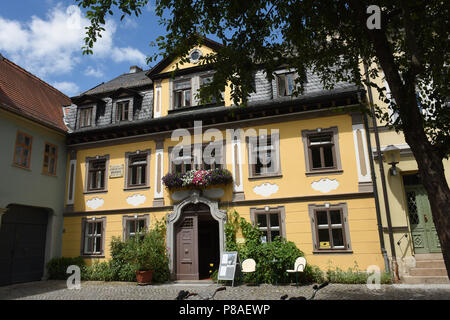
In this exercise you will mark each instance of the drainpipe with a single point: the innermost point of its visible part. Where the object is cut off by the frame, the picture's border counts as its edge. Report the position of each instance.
(376, 196)
(383, 178)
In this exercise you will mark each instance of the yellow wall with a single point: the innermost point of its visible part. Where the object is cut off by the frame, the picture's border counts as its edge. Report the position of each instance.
(361, 221)
(293, 183)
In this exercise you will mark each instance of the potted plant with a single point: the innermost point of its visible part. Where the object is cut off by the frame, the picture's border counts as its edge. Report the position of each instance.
(146, 251)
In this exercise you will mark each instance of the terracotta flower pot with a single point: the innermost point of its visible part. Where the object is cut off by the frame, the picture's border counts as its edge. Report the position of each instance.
(144, 277)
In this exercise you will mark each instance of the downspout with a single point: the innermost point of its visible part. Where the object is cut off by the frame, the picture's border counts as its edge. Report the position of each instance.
(382, 176)
(376, 196)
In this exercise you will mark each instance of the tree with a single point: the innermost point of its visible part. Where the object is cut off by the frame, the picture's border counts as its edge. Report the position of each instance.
(409, 45)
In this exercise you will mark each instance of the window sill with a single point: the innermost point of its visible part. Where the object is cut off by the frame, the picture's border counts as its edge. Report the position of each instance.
(21, 167)
(95, 191)
(49, 174)
(324, 172)
(266, 176)
(136, 188)
(332, 251)
(93, 256)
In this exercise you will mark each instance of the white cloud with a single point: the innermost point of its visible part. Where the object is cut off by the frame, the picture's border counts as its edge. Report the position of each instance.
(94, 72)
(69, 88)
(52, 45)
(128, 54)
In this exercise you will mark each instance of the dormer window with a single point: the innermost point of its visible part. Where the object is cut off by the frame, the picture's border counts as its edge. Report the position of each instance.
(286, 84)
(182, 94)
(122, 110)
(86, 117)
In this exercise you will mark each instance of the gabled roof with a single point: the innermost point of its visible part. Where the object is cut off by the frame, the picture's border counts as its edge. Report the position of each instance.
(168, 60)
(126, 80)
(25, 94)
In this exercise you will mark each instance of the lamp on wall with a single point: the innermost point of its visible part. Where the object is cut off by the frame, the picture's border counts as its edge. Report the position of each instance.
(392, 157)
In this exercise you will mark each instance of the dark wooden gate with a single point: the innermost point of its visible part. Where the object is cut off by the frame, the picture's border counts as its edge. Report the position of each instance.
(22, 244)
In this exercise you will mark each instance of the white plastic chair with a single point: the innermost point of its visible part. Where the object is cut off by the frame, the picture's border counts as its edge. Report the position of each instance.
(299, 266)
(249, 266)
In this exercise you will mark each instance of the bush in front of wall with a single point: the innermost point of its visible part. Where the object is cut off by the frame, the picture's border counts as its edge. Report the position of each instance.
(354, 276)
(272, 258)
(57, 267)
(147, 251)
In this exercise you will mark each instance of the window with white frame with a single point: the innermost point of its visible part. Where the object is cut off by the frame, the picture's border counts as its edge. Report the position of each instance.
(264, 155)
(182, 94)
(134, 225)
(93, 236)
(286, 83)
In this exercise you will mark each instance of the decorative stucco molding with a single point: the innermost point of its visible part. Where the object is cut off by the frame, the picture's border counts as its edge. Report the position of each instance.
(325, 185)
(266, 189)
(95, 203)
(136, 199)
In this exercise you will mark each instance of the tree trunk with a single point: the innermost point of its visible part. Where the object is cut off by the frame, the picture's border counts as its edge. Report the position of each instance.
(431, 171)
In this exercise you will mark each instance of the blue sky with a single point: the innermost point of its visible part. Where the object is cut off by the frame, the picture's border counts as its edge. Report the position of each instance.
(45, 37)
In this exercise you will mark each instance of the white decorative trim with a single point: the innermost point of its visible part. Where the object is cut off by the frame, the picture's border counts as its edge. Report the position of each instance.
(237, 142)
(159, 154)
(95, 203)
(136, 199)
(367, 177)
(157, 93)
(325, 185)
(266, 189)
(71, 200)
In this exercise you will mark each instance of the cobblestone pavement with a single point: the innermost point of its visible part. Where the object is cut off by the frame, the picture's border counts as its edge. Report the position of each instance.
(57, 290)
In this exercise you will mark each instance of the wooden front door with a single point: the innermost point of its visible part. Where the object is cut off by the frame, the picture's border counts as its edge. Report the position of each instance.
(423, 232)
(187, 248)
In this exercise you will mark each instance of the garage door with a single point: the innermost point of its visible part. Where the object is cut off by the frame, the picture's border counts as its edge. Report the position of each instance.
(22, 244)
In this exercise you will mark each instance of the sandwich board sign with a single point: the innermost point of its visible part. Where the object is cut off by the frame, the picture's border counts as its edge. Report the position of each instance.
(227, 267)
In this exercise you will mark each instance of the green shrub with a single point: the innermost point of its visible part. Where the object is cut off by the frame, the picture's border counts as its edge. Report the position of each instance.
(354, 276)
(57, 267)
(146, 251)
(272, 258)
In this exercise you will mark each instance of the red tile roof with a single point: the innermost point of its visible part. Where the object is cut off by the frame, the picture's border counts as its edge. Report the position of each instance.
(24, 93)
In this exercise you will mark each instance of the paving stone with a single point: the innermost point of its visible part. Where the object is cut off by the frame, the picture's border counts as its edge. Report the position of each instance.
(96, 290)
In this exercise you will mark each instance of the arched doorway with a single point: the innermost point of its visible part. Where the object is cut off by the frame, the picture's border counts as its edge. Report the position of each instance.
(196, 242)
(196, 218)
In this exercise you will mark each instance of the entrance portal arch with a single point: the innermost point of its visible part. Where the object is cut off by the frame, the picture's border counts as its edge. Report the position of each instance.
(176, 217)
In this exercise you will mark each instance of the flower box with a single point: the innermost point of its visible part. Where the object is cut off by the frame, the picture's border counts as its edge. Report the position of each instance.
(197, 179)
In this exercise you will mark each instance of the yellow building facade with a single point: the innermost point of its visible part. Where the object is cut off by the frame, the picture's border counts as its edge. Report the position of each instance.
(300, 167)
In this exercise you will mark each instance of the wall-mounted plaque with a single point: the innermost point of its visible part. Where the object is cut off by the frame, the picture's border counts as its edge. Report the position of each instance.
(116, 171)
